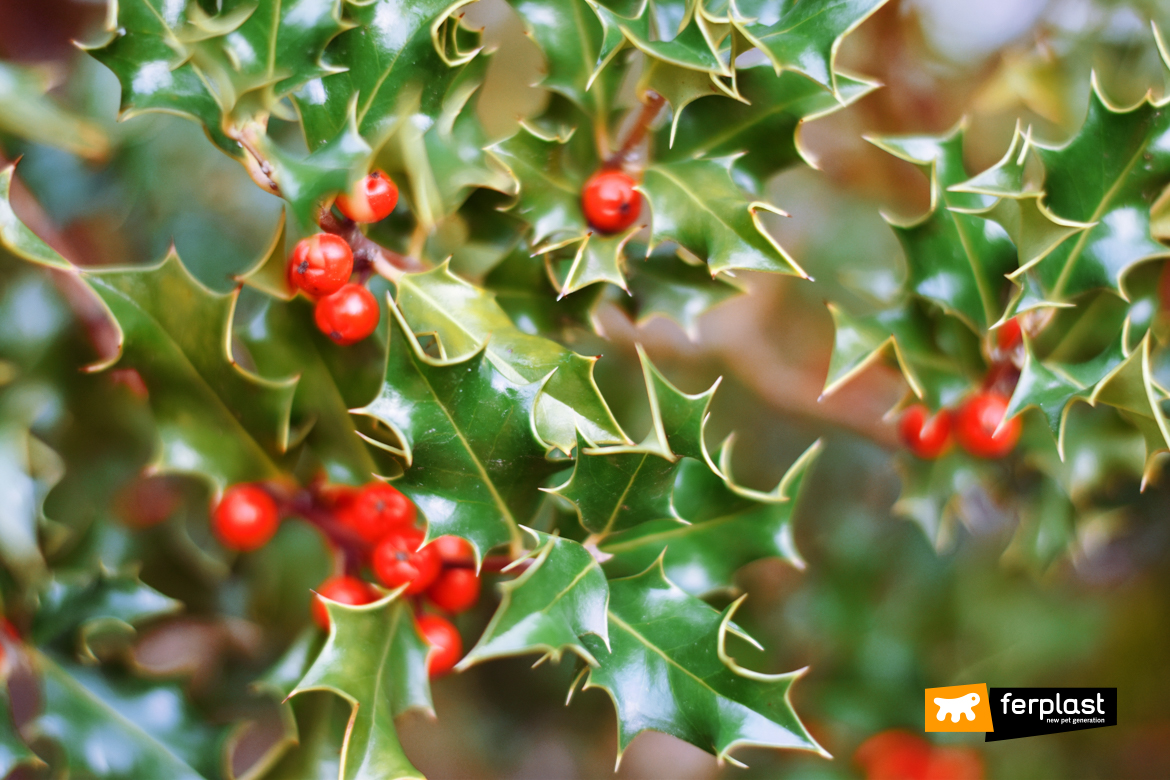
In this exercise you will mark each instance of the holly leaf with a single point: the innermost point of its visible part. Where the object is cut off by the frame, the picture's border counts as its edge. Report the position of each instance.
(27, 112)
(697, 205)
(144, 49)
(903, 333)
(257, 51)
(283, 341)
(102, 721)
(937, 494)
(953, 258)
(550, 169)
(667, 668)
(1130, 389)
(465, 318)
(802, 36)
(15, 235)
(1106, 178)
(468, 437)
(393, 46)
(615, 488)
(376, 660)
(560, 597)
(726, 530)
(1052, 388)
(763, 128)
(571, 38)
(677, 32)
(666, 286)
(522, 288)
(213, 418)
(86, 606)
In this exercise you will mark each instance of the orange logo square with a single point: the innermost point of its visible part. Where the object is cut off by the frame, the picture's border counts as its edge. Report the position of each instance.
(958, 708)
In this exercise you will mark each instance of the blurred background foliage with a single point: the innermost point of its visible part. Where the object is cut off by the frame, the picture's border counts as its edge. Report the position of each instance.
(878, 614)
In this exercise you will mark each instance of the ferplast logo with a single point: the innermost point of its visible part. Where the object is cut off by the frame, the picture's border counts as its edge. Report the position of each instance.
(958, 708)
(1011, 713)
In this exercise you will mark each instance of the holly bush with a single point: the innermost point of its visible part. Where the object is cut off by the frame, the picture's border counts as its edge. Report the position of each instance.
(383, 336)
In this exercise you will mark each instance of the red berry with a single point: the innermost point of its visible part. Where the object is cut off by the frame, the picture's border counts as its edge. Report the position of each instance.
(455, 591)
(926, 436)
(1009, 335)
(610, 202)
(894, 755)
(371, 199)
(321, 263)
(246, 518)
(976, 422)
(398, 560)
(376, 510)
(343, 590)
(348, 315)
(455, 551)
(446, 644)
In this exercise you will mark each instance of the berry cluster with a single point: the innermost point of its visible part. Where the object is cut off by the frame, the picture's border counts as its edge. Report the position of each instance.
(978, 423)
(323, 263)
(376, 525)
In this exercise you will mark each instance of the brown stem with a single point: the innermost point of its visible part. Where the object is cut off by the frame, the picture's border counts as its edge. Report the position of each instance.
(303, 504)
(638, 130)
(366, 251)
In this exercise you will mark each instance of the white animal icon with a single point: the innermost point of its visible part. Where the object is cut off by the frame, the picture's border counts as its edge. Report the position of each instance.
(963, 705)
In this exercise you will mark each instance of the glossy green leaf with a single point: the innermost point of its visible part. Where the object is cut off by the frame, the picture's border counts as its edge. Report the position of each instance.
(155, 69)
(25, 111)
(954, 259)
(523, 290)
(902, 333)
(213, 418)
(275, 47)
(615, 488)
(1130, 389)
(320, 735)
(88, 605)
(468, 436)
(1052, 387)
(804, 35)
(663, 285)
(668, 669)
(571, 38)
(550, 170)
(464, 318)
(674, 31)
(16, 236)
(726, 530)
(116, 727)
(939, 494)
(559, 598)
(283, 340)
(764, 128)
(696, 204)
(375, 659)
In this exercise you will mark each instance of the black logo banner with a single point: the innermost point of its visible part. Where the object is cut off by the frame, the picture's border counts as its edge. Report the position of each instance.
(1029, 712)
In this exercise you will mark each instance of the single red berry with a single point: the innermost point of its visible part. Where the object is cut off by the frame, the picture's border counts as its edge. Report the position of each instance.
(376, 510)
(371, 199)
(343, 590)
(399, 559)
(894, 755)
(321, 263)
(455, 591)
(610, 202)
(446, 644)
(348, 315)
(976, 421)
(245, 518)
(926, 436)
(455, 551)
(1009, 335)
